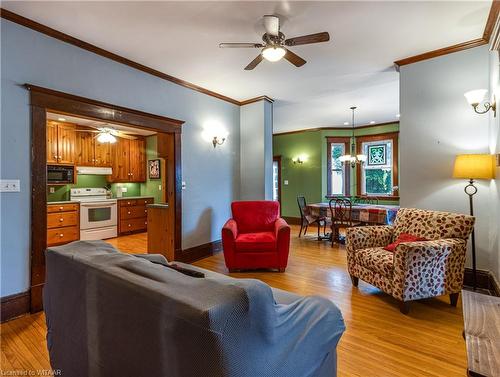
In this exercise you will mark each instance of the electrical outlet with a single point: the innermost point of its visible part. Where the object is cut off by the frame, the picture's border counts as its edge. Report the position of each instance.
(159, 187)
(52, 190)
(285, 182)
(10, 185)
(124, 189)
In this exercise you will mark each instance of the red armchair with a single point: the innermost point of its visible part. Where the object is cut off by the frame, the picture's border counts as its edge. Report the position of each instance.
(256, 236)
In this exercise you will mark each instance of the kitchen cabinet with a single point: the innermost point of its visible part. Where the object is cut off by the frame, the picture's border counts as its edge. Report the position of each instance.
(61, 140)
(89, 152)
(128, 158)
(63, 223)
(133, 215)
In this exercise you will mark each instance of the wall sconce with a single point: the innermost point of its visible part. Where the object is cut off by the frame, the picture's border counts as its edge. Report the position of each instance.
(299, 159)
(475, 97)
(216, 141)
(214, 132)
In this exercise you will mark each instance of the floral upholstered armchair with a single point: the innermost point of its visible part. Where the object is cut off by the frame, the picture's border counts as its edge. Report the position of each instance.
(414, 270)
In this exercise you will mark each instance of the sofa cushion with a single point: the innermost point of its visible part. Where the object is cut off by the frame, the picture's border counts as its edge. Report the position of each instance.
(376, 259)
(255, 242)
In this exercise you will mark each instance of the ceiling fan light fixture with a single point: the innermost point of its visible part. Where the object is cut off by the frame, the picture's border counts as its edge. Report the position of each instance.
(106, 137)
(273, 53)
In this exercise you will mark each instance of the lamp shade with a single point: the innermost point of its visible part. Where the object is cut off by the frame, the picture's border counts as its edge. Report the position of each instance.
(475, 97)
(474, 166)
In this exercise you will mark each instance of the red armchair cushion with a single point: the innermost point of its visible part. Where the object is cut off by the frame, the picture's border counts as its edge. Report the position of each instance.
(255, 242)
(255, 216)
(403, 237)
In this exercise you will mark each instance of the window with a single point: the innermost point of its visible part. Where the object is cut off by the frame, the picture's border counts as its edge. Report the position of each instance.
(337, 174)
(378, 175)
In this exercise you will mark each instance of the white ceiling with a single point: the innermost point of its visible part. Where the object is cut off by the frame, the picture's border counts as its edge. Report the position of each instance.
(98, 124)
(354, 68)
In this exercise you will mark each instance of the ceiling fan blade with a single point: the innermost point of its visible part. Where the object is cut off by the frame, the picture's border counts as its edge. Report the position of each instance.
(86, 130)
(308, 39)
(272, 25)
(123, 135)
(295, 59)
(254, 63)
(240, 45)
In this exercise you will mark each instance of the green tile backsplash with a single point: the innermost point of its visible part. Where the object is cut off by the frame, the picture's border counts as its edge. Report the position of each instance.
(83, 180)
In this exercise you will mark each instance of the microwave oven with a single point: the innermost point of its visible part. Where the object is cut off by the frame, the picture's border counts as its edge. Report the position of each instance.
(59, 174)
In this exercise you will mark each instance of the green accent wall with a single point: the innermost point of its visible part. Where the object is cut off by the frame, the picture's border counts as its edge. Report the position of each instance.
(310, 177)
(151, 187)
(83, 180)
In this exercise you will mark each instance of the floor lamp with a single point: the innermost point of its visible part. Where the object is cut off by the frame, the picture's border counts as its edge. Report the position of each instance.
(472, 167)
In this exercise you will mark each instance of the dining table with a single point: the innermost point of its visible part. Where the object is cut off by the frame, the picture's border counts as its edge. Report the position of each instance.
(370, 214)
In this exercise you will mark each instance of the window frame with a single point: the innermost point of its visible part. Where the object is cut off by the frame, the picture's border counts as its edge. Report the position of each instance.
(394, 137)
(347, 171)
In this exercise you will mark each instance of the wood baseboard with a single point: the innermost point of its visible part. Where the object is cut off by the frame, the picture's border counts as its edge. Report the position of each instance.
(199, 252)
(292, 220)
(14, 306)
(485, 280)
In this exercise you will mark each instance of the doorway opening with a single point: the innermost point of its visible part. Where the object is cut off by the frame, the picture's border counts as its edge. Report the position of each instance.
(95, 169)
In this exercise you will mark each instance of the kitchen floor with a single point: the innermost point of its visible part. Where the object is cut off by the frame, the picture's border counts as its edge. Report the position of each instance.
(133, 244)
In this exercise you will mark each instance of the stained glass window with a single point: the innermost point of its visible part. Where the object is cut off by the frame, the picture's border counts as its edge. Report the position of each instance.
(377, 174)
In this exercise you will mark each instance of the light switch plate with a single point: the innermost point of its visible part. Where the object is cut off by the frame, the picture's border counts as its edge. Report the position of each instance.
(159, 187)
(10, 185)
(285, 182)
(52, 190)
(183, 185)
(124, 189)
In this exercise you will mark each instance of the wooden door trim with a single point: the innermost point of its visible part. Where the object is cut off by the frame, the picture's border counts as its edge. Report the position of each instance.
(43, 100)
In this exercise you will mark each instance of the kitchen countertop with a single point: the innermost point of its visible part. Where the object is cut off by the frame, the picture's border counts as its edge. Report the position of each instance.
(64, 202)
(158, 205)
(134, 197)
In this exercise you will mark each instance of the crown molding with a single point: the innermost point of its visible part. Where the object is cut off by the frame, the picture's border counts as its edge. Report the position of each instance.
(485, 39)
(335, 128)
(36, 26)
(256, 99)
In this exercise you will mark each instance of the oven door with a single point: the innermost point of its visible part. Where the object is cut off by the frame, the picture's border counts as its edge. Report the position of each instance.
(97, 215)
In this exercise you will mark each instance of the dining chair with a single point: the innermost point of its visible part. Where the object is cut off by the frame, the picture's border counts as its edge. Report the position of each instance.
(306, 218)
(341, 212)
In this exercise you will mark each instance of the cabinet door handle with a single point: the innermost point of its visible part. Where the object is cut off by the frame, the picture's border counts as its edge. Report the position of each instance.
(55, 157)
(61, 235)
(61, 208)
(128, 204)
(145, 223)
(128, 212)
(61, 219)
(129, 225)
(146, 210)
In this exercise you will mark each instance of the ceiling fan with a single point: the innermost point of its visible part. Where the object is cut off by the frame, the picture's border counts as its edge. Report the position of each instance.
(273, 48)
(108, 134)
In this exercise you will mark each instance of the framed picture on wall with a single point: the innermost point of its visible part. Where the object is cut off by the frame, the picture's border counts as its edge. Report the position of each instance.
(154, 169)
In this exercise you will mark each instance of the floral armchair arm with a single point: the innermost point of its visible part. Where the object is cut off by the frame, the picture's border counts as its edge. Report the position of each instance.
(428, 268)
(368, 236)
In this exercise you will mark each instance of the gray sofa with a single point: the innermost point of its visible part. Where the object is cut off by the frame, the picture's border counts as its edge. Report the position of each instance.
(114, 314)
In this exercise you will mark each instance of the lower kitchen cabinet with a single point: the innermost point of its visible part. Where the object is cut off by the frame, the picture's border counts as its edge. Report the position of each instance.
(133, 215)
(63, 223)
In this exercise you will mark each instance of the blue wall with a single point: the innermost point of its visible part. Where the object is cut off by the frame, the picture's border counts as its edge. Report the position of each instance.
(211, 175)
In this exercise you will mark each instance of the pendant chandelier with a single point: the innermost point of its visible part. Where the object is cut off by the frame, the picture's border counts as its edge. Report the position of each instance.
(353, 159)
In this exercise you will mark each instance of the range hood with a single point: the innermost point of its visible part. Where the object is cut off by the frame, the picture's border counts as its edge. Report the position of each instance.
(93, 170)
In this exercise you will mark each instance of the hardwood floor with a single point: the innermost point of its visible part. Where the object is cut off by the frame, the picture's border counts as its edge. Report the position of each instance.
(379, 340)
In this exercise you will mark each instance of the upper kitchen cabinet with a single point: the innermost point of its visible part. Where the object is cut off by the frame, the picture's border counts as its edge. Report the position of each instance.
(61, 140)
(137, 164)
(89, 152)
(128, 159)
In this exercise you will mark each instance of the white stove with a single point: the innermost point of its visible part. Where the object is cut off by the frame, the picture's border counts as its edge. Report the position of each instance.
(98, 214)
